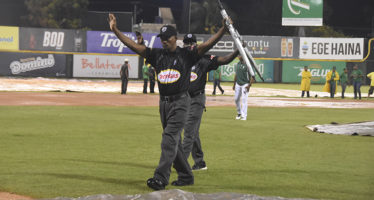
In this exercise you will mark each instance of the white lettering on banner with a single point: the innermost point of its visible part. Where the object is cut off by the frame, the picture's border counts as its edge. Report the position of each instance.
(315, 72)
(168, 76)
(331, 48)
(111, 40)
(99, 64)
(297, 4)
(193, 77)
(227, 70)
(261, 68)
(31, 64)
(255, 46)
(53, 39)
(224, 45)
(258, 44)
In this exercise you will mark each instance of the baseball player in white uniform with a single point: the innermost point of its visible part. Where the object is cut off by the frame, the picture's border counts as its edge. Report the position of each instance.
(241, 86)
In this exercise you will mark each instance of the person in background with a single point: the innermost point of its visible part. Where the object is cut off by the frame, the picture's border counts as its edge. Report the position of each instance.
(356, 76)
(217, 81)
(124, 76)
(145, 77)
(305, 82)
(344, 81)
(152, 79)
(331, 79)
(242, 82)
(371, 89)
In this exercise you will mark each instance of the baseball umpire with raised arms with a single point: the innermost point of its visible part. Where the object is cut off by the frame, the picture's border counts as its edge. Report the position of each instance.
(173, 66)
(191, 140)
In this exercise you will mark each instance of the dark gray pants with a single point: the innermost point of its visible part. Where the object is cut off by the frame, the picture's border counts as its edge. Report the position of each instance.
(191, 140)
(145, 85)
(152, 85)
(344, 86)
(332, 89)
(216, 83)
(124, 86)
(357, 89)
(173, 117)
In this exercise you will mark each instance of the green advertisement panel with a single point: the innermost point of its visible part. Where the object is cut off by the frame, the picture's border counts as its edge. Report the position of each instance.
(291, 71)
(266, 68)
(302, 12)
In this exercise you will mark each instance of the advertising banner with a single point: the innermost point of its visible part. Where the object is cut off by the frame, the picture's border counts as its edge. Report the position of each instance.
(332, 48)
(32, 65)
(302, 13)
(98, 66)
(289, 47)
(8, 38)
(52, 40)
(291, 71)
(107, 42)
(266, 68)
(258, 46)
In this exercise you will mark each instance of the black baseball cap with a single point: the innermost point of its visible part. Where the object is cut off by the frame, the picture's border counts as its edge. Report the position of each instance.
(189, 38)
(167, 31)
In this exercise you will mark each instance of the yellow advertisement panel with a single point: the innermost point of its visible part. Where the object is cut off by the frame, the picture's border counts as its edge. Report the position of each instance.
(8, 38)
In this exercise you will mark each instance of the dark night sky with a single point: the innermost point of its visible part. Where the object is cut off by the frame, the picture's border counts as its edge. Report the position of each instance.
(352, 17)
(254, 17)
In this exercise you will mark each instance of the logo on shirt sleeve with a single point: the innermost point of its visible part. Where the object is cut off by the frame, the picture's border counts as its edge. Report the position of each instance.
(193, 77)
(168, 76)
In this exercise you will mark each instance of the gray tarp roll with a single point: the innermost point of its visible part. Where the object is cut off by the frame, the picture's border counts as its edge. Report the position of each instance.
(177, 195)
(358, 128)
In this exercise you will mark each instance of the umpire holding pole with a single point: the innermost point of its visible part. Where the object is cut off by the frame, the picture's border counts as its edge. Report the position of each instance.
(191, 140)
(173, 66)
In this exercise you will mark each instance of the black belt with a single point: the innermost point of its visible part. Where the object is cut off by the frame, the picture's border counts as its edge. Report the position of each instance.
(194, 94)
(173, 97)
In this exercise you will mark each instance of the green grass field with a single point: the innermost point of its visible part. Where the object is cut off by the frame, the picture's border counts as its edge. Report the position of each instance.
(52, 151)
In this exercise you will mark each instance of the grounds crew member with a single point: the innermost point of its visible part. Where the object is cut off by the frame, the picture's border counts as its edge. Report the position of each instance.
(305, 82)
(344, 80)
(242, 82)
(146, 75)
(331, 78)
(152, 74)
(356, 82)
(217, 81)
(124, 72)
(173, 67)
(191, 140)
(371, 89)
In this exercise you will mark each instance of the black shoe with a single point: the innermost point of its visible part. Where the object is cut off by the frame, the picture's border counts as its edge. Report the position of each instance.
(237, 117)
(155, 184)
(199, 166)
(181, 183)
(223, 91)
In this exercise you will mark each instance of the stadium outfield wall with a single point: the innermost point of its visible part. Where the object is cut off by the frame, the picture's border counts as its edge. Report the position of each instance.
(99, 54)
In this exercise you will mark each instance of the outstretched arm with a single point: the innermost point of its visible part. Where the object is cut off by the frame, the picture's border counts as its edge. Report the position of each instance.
(228, 58)
(137, 48)
(204, 47)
